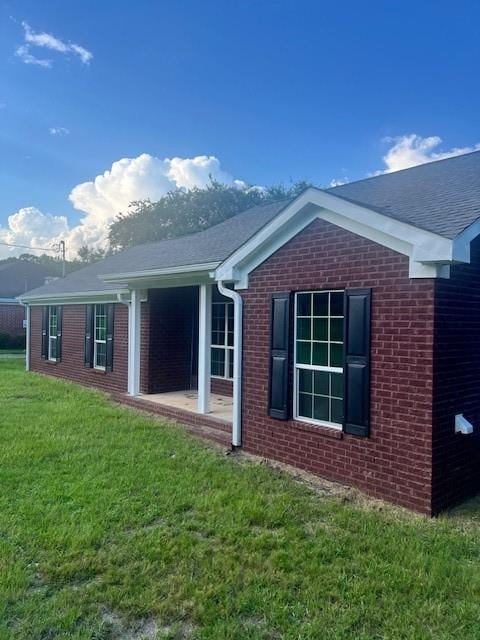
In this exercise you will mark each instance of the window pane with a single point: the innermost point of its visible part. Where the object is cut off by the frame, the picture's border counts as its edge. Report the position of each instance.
(322, 386)
(304, 304)
(218, 362)
(337, 385)
(305, 381)
(320, 304)
(336, 304)
(320, 408)
(230, 325)
(53, 348)
(303, 352)
(336, 355)
(305, 405)
(304, 328)
(320, 329)
(320, 354)
(337, 411)
(230, 363)
(101, 353)
(336, 330)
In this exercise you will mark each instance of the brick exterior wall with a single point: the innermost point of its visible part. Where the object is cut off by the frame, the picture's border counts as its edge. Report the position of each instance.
(11, 319)
(456, 458)
(73, 334)
(173, 339)
(395, 462)
(223, 387)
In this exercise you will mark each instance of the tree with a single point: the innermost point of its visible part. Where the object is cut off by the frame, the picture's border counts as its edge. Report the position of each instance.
(181, 212)
(89, 256)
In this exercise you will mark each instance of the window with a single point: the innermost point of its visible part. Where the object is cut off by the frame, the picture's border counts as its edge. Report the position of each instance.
(52, 333)
(100, 337)
(222, 340)
(318, 383)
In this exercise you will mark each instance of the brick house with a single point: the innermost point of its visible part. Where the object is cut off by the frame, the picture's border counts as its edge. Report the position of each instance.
(16, 278)
(338, 332)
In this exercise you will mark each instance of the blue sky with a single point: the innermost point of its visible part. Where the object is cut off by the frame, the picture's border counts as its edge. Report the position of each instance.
(275, 91)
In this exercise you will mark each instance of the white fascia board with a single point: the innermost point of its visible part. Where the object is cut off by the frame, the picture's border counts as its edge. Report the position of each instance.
(8, 301)
(427, 251)
(461, 244)
(158, 273)
(81, 297)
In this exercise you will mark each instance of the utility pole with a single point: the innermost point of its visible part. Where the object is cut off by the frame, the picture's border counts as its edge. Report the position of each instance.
(62, 249)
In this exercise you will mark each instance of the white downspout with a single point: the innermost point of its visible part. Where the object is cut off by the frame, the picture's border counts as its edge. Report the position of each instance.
(27, 337)
(237, 361)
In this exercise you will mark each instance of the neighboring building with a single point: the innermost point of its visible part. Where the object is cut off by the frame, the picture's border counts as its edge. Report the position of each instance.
(16, 278)
(345, 322)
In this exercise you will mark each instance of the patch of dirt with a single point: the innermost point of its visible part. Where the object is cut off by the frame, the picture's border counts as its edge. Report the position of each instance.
(144, 628)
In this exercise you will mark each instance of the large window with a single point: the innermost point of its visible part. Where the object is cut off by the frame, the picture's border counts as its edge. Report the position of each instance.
(222, 339)
(52, 333)
(318, 384)
(100, 337)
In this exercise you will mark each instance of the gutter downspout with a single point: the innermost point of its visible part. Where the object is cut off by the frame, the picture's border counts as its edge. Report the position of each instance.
(237, 361)
(27, 336)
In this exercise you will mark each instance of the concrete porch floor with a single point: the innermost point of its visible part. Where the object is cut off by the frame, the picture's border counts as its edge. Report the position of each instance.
(220, 406)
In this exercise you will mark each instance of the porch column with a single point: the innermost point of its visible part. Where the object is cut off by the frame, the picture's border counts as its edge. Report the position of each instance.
(204, 331)
(134, 320)
(27, 338)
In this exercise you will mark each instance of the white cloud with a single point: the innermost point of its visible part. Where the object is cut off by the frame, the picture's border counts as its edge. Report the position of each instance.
(32, 228)
(411, 150)
(102, 198)
(58, 131)
(337, 182)
(23, 52)
(48, 41)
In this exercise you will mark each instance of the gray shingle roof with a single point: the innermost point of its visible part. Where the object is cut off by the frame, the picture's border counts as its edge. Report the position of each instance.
(20, 276)
(212, 245)
(442, 197)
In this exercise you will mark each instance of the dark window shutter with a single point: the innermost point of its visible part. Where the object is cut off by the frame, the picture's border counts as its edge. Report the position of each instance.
(110, 322)
(279, 356)
(59, 332)
(89, 318)
(357, 361)
(45, 333)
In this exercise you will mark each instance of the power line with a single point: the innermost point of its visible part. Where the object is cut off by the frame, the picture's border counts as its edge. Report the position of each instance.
(24, 246)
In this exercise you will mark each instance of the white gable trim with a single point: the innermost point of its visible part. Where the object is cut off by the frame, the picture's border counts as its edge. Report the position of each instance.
(428, 252)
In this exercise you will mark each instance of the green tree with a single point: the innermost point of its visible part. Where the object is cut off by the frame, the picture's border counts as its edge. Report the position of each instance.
(181, 212)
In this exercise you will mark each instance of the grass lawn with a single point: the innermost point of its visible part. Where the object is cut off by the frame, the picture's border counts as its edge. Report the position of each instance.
(114, 525)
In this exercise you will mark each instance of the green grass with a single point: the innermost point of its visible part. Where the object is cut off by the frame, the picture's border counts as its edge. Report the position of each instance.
(114, 525)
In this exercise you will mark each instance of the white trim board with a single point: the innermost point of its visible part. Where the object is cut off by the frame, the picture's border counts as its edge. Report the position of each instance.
(428, 252)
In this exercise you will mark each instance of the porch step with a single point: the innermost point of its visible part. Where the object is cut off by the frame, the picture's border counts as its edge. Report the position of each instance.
(204, 426)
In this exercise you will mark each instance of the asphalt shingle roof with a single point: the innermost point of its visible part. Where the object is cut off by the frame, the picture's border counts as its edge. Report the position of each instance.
(442, 197)
(20, 276)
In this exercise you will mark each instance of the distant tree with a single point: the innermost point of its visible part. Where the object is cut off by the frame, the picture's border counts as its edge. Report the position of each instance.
(181, 212)
(89, 256)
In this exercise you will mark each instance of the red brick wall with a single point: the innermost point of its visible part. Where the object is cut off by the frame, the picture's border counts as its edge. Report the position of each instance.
(11, 319)
(173, 338)
(73, 335)
(456, 468)
(395, 462)
(223, 387)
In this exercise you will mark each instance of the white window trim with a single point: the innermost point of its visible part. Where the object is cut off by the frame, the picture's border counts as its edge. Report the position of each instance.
(226, 347)
(95, 341)
(50, 337)
(311, 367)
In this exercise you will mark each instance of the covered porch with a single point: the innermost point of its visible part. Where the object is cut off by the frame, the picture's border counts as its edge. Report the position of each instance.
(182, 352)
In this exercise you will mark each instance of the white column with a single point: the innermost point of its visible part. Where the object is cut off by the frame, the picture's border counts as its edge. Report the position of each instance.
(27, 338)
(134, 320)
(204, 332)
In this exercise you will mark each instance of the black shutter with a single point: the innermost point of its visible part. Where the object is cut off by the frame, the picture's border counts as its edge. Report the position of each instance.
(279, 356)
(59, 333)
(89, 318)
(45, 333)
(357, 362)
(110, 311)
